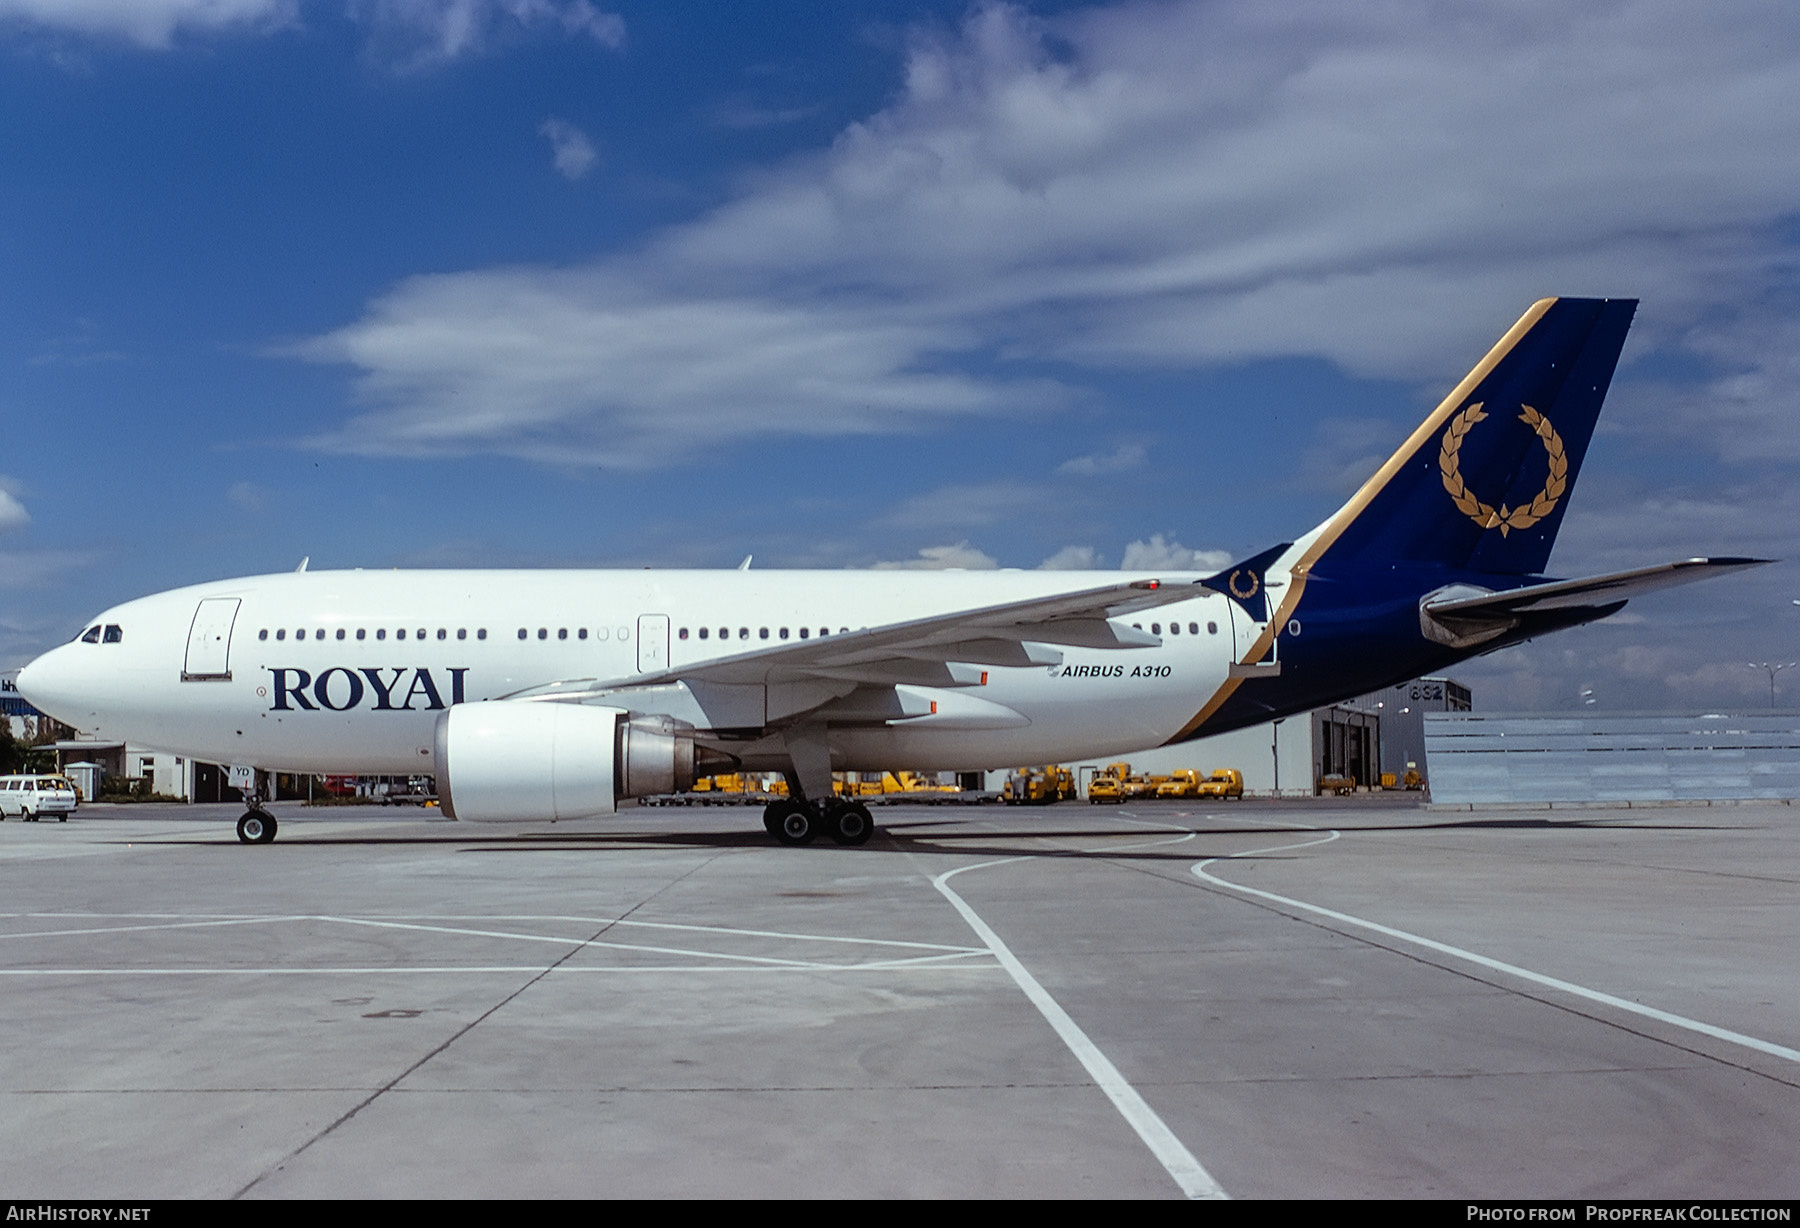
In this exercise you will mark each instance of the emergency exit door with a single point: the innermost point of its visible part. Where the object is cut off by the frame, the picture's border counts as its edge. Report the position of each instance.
(653, 642)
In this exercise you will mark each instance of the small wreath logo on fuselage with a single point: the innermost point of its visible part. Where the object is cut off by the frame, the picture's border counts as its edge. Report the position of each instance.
(1505, 519)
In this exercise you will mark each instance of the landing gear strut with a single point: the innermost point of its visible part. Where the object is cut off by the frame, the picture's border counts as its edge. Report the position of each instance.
(258, 825)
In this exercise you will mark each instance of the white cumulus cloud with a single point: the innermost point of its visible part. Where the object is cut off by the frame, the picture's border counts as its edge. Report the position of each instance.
(12, 512)
(419, 33)
(1382, 186)
(570, 149)
(1125, 456)
(962, 556)
(148, 23)
(1160, 555)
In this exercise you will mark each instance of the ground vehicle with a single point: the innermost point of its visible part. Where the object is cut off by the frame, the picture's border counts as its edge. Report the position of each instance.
(32, 797)
(1108, 784)
(1037, 786)
(1136, 788)
(1183, 782)
(1224, 782)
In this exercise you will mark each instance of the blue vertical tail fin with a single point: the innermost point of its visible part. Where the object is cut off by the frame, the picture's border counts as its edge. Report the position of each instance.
(1484, 482)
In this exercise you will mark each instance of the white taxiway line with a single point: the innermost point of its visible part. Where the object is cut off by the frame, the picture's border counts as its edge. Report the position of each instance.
(1169, 1150)
(161, 925)
(533, 969)
(1494, 965)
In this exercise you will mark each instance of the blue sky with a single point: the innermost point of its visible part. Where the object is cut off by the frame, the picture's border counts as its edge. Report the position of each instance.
(570, 283)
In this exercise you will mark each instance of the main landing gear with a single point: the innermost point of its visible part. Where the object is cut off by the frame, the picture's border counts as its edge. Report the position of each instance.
(798, 822)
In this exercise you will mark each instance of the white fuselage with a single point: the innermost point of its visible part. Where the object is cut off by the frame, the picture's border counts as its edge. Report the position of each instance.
(348, 671)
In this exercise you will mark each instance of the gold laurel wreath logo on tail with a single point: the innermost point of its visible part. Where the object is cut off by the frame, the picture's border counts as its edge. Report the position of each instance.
(1505, 519)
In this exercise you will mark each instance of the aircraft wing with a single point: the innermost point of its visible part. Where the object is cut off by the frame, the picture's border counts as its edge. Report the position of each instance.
(936, 651)
(1590, 591)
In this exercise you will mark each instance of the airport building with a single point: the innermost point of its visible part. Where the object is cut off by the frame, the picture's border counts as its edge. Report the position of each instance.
(1361, 740)
(1616, 757)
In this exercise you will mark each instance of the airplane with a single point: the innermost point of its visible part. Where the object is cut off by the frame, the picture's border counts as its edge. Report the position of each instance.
(553, 695)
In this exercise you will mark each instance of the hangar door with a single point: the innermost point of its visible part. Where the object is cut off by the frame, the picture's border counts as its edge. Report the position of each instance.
(209, 641)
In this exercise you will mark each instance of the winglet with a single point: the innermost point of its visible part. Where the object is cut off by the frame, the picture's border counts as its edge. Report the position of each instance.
(1246, 582)
(303, 563)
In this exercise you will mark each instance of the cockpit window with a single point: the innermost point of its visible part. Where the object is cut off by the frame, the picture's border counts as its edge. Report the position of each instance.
(91, 635)
(113, 634)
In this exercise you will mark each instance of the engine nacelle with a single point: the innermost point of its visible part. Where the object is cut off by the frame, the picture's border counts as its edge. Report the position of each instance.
(524, 762)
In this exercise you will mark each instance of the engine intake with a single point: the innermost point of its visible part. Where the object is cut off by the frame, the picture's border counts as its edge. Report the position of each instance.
(518, 761)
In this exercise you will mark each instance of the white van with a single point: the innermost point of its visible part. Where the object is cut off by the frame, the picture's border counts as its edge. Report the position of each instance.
(32, 797)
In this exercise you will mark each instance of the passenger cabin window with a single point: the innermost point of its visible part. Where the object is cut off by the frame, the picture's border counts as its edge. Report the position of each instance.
(361, 633)
(281, 633)
(263, 634)
(381, 633)
(340, 633)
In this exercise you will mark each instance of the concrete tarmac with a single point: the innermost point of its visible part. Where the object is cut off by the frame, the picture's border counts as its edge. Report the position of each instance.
(1355, 998)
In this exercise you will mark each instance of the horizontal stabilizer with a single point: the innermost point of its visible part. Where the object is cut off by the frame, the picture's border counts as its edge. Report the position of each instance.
(1593, 590)
(1463, 616)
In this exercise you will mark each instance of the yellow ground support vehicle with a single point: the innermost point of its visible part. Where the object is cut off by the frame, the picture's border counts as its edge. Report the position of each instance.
(916, 782)
(1224, 782)
(860, 784)
(1183, 782)
(1341, 785)
(1141, 786)
(1108, 784)
(1035, 786)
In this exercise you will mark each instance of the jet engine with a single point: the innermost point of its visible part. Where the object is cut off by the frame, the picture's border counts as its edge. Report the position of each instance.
(520, 761)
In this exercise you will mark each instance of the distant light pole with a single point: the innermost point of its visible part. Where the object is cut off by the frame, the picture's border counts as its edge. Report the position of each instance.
(1773, 670)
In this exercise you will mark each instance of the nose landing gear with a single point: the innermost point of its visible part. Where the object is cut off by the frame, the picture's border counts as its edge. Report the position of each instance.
(256, 827)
